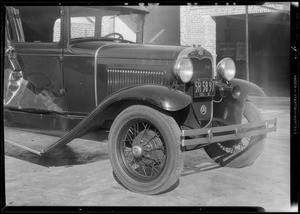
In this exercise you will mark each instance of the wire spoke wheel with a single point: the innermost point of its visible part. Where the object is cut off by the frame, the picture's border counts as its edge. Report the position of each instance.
(143, 150)
(237, 145)
(242, 152)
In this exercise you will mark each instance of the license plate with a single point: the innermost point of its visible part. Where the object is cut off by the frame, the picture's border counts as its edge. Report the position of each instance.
(204, 88)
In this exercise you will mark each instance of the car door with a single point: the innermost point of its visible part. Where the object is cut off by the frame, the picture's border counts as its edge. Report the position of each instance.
(36, 48)
(79, 62)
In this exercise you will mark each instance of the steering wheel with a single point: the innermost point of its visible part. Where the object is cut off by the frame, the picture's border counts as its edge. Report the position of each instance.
(115, 34)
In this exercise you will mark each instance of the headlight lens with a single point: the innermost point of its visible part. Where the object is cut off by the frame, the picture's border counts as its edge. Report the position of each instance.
(184, 69)
(226, 69)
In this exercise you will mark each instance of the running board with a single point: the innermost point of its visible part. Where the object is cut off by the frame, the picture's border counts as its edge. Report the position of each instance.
(34, 142)
(40, 143)
(37, 152)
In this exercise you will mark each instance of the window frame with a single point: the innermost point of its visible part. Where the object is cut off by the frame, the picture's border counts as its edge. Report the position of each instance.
(15, 28)
(139, 35)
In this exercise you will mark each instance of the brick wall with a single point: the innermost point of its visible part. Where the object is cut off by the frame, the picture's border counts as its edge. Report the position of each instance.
(198, 25)
(78, 30)
(82, 30)
(197, 29)
(233, 10)
(56, 31)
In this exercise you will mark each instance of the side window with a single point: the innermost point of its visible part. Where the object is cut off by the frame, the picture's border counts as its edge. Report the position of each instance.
(38, 24)
(126, 24)
(56, 30)
(82, 27)
(107, 25)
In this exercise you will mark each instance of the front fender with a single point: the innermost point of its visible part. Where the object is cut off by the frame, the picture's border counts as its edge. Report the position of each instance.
(247, 88)
(230, 109)
(160, 96)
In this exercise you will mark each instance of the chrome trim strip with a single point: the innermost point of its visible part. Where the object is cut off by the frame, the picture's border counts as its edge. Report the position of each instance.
(195, 132)
(240, 131)
(95, 73)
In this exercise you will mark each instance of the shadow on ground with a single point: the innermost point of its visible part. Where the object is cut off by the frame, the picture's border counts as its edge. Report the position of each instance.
(93, 148)
(77, 153)
(64, 156)
(197, 161)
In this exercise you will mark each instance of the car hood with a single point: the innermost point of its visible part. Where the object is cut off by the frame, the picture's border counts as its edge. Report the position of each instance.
(127, 51)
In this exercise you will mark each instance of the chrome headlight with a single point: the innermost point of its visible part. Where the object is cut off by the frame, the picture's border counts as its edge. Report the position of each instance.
(226, 69)
(184, 69)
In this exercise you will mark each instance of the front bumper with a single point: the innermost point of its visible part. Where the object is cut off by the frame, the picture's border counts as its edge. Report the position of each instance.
(195, 137)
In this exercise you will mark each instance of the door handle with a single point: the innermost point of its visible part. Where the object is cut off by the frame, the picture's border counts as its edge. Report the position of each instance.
(62, 91)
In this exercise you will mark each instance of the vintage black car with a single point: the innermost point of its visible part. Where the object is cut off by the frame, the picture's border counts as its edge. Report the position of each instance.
(71, 70)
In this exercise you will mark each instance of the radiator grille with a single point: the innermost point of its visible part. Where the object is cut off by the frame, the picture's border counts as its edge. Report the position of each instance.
(202, 68)
(120, 78)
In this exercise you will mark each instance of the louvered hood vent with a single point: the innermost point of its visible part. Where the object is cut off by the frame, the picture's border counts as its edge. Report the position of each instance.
(121, 78)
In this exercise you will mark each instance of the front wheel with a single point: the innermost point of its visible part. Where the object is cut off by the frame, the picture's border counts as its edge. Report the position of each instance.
(144, 150)
(239, 153)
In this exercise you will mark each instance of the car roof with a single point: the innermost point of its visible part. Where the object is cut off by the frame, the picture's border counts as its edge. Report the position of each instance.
(137, 8)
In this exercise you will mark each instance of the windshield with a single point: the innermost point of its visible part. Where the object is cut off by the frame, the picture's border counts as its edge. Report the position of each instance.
(106, 23)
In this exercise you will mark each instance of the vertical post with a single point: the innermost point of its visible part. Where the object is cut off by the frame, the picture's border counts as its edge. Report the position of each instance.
(247, 44)
(114, 25)
(98, 27)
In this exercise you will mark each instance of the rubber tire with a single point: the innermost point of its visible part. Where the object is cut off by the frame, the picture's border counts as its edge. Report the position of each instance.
(249, 155)
(170, 132)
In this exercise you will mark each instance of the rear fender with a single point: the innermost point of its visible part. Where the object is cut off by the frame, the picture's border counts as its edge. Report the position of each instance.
(157, 95)
(230, 109)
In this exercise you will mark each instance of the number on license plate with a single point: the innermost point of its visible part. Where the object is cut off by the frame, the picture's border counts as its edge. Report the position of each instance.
(204, 88)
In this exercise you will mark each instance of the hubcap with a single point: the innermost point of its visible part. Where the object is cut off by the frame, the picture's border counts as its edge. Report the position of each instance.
(137, 151)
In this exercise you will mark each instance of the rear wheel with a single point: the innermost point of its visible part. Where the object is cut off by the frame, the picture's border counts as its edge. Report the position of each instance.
(144, 150)
(239, 153)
